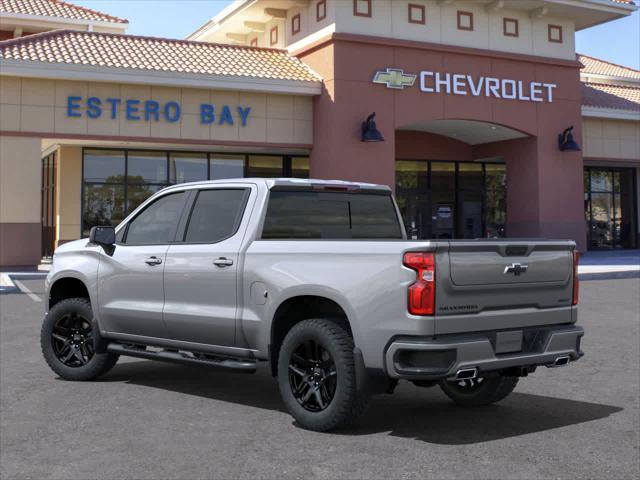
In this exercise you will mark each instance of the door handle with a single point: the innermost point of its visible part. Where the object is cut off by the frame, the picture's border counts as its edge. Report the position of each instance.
(153, 261)
(223, 262)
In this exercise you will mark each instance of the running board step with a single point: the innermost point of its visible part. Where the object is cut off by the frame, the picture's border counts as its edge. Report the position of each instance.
(184, 357)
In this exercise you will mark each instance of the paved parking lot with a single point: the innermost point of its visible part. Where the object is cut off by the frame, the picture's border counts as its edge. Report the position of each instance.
(155, 420)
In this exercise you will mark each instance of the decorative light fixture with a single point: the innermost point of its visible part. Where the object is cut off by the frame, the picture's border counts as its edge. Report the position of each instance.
(566, 143)
(370, 132)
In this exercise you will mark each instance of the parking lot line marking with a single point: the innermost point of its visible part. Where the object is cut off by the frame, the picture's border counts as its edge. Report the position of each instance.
(24, 289)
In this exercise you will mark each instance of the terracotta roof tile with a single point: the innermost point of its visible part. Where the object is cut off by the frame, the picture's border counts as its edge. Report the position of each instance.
(611, 96)
(602, 67)
(159, 54)
(56, 8)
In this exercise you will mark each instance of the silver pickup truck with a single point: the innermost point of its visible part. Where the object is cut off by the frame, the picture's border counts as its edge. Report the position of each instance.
(317, 279)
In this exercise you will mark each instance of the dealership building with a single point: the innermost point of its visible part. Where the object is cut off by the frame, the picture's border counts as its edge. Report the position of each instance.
(487, 122)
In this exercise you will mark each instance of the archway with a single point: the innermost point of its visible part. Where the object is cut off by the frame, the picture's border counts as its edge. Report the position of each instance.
(451, 177)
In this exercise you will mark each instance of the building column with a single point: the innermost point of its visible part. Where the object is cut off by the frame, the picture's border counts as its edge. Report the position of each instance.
(68, 194)
(20, 227)
(545, 193)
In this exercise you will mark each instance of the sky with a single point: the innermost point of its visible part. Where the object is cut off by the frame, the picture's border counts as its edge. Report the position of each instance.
(617, 42)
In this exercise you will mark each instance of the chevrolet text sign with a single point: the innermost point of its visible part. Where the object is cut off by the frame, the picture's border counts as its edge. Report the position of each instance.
(464, 84)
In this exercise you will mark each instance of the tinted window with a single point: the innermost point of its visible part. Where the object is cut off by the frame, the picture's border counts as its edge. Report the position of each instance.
(216, 215)
(187, 167)
(226, 166)
(147, 167)
(330, 216)
(103, 166)
(157, 223)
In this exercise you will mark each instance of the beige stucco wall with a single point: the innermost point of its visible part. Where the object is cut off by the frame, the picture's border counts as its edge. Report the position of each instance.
(68, 193)
(35, 105)
(390, 19)
(608, 138)
(20, 171)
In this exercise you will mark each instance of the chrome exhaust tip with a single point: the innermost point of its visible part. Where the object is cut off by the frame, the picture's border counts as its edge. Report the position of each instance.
(466, 373)
(560, 361)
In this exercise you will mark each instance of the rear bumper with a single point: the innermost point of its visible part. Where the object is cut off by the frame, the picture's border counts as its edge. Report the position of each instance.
(432, 359)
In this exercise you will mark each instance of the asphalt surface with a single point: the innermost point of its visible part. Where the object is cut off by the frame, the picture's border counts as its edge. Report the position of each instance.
(153, 420)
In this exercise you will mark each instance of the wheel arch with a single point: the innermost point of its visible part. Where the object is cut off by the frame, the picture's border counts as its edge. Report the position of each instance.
(67, 287)
(296, 309)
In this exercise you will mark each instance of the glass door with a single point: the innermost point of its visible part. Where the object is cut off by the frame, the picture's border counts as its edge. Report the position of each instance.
(47, 205)
(452, 199)
(443, 191)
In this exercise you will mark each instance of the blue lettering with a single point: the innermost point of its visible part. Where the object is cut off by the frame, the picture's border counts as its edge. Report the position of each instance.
(114, 106)
(151, 107)
(172, 112)
(132, 109)
(207, 114)
(73, 103)
(225, 116)
(94, 110)
(244, 113)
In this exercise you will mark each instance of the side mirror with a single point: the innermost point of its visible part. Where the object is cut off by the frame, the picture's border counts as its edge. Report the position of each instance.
(105, 236)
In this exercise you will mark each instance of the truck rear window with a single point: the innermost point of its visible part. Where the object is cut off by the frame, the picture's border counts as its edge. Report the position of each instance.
(329, 215)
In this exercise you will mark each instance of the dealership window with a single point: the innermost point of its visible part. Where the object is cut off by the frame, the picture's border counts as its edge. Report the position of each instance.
(555, 33)
(187, 167)
(495, 203)
(510, 27)
(147, 172)
(115, 182)
(465, 20)
(226, 166)
(103, 196)
(264, 166)
(362, 8)
(295, 24)
(48, 204)
(610, 207)
(321, 10)
(299, 167)
(451, 199)
(416, 14)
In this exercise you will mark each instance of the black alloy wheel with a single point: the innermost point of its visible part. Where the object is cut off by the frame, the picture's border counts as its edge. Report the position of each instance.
(68, 339)
(72, 340)
(312, 376)
(317, 375)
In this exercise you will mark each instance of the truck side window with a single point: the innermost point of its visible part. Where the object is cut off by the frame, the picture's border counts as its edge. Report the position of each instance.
(157, 223)
(216, 215)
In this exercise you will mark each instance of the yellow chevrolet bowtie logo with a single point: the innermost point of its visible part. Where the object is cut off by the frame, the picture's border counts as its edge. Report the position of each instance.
(395, 78)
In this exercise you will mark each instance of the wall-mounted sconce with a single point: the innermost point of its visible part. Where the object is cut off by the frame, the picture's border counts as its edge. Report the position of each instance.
(566, 143)
(370, 132)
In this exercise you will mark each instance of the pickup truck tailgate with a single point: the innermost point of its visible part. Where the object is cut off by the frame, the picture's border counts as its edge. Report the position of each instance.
(489, 285)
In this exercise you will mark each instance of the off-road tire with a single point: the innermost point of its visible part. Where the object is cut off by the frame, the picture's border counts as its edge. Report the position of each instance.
(347, 403)
(491, 390)
(98, 363)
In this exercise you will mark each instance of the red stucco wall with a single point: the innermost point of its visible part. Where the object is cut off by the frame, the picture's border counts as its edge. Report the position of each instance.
(544, 185)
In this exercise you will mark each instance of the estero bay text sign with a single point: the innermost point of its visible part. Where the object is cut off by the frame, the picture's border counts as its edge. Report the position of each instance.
(153, 111)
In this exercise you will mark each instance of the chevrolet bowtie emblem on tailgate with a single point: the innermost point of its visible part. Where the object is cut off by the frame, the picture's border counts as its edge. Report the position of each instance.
(395, 78)
(516, 269)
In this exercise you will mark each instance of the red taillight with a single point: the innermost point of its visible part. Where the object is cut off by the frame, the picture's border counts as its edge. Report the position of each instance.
(422, 294)
(576, 283)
